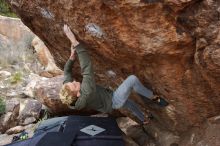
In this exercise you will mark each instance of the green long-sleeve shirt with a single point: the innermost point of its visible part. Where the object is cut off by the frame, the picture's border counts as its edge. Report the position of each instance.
(92, 96)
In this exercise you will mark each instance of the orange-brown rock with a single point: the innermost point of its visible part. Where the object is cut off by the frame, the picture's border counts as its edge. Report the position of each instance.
(207, 134)
(171, 45)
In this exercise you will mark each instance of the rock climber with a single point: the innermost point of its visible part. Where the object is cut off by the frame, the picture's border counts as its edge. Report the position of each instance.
(88, 94)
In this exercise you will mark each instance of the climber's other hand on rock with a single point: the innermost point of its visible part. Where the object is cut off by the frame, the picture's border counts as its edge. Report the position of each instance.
(70, 35)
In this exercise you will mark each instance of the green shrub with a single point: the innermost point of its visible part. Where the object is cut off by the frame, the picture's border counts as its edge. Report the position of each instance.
(2, 106)
(5, 9)
(15, 78)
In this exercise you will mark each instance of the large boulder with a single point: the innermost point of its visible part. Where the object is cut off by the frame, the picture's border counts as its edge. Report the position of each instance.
(46, 90)
(46, 59)
(30, 111)
(14, 35)
(19, 112)
(10, 118)
(172, 46)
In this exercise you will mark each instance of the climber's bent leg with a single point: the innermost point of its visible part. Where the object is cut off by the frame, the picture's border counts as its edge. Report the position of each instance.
(122, 93)
(133, 107)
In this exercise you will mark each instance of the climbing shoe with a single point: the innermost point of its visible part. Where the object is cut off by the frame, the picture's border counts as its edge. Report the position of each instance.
(160, 101)
(22, 136)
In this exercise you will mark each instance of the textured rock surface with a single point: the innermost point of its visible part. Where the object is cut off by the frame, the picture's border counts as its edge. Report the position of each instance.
(10, 119)
(14, 35)
(30, 112)
(6, 139)
(19, 112)
(47, 92)
(135, 132)
(172, 46)
(12, 104)
(15, 130)
(206, 134)
(45, 58)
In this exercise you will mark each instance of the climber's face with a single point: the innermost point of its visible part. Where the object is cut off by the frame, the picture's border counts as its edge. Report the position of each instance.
(74, 87)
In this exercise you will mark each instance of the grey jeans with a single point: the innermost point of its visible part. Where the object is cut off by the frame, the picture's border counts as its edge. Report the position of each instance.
(121, 94)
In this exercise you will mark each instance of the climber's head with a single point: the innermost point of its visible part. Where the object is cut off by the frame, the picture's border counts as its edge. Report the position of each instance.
(70, 92)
